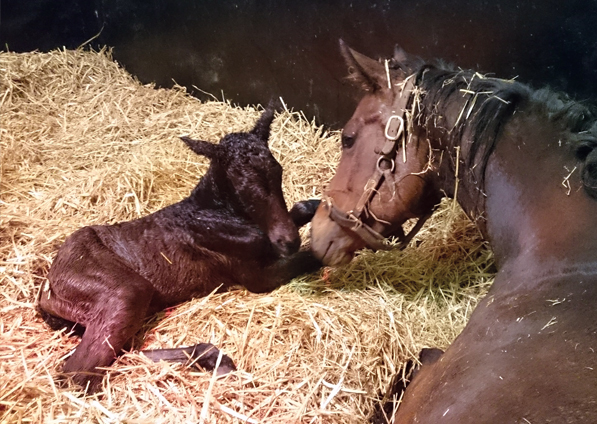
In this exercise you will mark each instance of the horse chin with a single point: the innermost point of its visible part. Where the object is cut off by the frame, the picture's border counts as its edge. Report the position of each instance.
(331, 244)
(338, 258)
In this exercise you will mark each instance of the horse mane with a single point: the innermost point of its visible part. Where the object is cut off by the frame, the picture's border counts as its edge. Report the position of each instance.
(481, 106)
(492, 102)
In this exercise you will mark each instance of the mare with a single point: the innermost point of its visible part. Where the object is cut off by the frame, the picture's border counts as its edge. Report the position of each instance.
(233, 229)
(522, 163)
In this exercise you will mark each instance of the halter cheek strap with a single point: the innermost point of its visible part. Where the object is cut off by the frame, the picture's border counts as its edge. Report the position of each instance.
(352, 220)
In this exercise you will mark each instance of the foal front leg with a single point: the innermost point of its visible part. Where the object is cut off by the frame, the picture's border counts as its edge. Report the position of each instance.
(285, 269)
(281, 272)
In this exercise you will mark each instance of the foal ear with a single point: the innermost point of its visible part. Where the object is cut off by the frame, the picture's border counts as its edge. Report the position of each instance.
(203, 148)
(262, 127)
(364, 70)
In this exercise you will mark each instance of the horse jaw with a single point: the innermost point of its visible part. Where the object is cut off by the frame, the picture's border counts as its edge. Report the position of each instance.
(331, 244)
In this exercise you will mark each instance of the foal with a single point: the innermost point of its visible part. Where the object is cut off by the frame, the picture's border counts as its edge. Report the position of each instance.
(233, 229)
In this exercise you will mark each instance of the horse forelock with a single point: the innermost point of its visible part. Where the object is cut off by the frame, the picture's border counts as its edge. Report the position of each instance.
(575, 116)
(580, 122)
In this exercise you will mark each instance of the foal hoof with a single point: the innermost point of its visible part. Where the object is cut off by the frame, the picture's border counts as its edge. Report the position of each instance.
(204, 355)
(90, 382)
(302, 212)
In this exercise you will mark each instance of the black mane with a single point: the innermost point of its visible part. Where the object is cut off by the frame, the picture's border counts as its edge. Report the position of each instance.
(481, 106)
(482, 118)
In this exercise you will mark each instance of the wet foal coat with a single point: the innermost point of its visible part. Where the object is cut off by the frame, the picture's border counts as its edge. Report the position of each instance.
(522, 163)
(234, 229)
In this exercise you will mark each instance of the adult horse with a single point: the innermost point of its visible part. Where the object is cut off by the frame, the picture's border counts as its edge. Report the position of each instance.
(522, 163)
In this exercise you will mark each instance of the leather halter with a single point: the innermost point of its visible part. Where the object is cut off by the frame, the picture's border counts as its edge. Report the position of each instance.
(352, 220)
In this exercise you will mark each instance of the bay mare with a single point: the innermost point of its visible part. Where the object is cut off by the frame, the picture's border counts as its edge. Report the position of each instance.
(522, 163)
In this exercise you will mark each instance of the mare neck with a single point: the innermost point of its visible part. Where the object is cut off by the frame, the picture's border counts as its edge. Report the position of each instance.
(536, 211)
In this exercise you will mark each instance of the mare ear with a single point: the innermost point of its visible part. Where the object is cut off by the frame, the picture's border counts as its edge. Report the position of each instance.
(203, 148)
(364, 70)
(400, 55)
(589, 174)
(406, 62)
(262, 127)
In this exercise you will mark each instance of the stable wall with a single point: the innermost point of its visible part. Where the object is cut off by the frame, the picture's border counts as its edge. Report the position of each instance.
(248, 51)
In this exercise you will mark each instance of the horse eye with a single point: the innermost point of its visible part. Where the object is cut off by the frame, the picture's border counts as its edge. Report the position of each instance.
(347, 141)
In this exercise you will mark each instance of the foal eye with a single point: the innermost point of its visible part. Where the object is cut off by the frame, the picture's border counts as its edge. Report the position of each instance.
(347, 141)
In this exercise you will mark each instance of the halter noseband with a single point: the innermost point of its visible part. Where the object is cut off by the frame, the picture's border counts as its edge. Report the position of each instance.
(352, 220)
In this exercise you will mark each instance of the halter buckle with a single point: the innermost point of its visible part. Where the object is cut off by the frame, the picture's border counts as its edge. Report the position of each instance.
(394, 127)
(392, 164)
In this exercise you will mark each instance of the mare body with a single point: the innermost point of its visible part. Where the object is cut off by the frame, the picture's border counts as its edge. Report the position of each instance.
(527, 177)
(233, 229)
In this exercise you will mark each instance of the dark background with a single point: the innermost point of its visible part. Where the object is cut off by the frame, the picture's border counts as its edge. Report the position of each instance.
(251, 50)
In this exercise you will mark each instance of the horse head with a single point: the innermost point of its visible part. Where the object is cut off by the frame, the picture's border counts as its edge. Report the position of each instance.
(249, 180)
(382, 179)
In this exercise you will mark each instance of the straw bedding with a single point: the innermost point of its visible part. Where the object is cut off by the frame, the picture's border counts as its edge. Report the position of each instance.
(82, 142)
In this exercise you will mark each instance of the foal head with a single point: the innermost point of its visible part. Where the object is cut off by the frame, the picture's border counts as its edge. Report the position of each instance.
(382, 179)
(249, 182)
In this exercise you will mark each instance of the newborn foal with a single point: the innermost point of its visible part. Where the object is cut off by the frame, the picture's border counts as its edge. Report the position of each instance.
(234, 228)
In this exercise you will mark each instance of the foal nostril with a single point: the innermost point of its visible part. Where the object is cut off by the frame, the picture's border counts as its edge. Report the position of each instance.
(287, 245)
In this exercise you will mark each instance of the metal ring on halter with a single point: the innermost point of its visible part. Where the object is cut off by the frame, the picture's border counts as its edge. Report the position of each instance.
(392, 161)
(394, 127)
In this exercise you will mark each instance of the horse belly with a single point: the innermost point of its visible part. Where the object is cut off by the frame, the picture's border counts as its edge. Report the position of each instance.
(165, 257)
(186, 279)
(528, 362)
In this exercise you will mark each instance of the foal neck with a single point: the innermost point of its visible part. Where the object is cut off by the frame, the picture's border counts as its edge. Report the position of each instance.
(214, 191)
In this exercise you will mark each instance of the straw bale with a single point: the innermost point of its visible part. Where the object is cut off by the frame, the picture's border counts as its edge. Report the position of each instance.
(82, 142)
